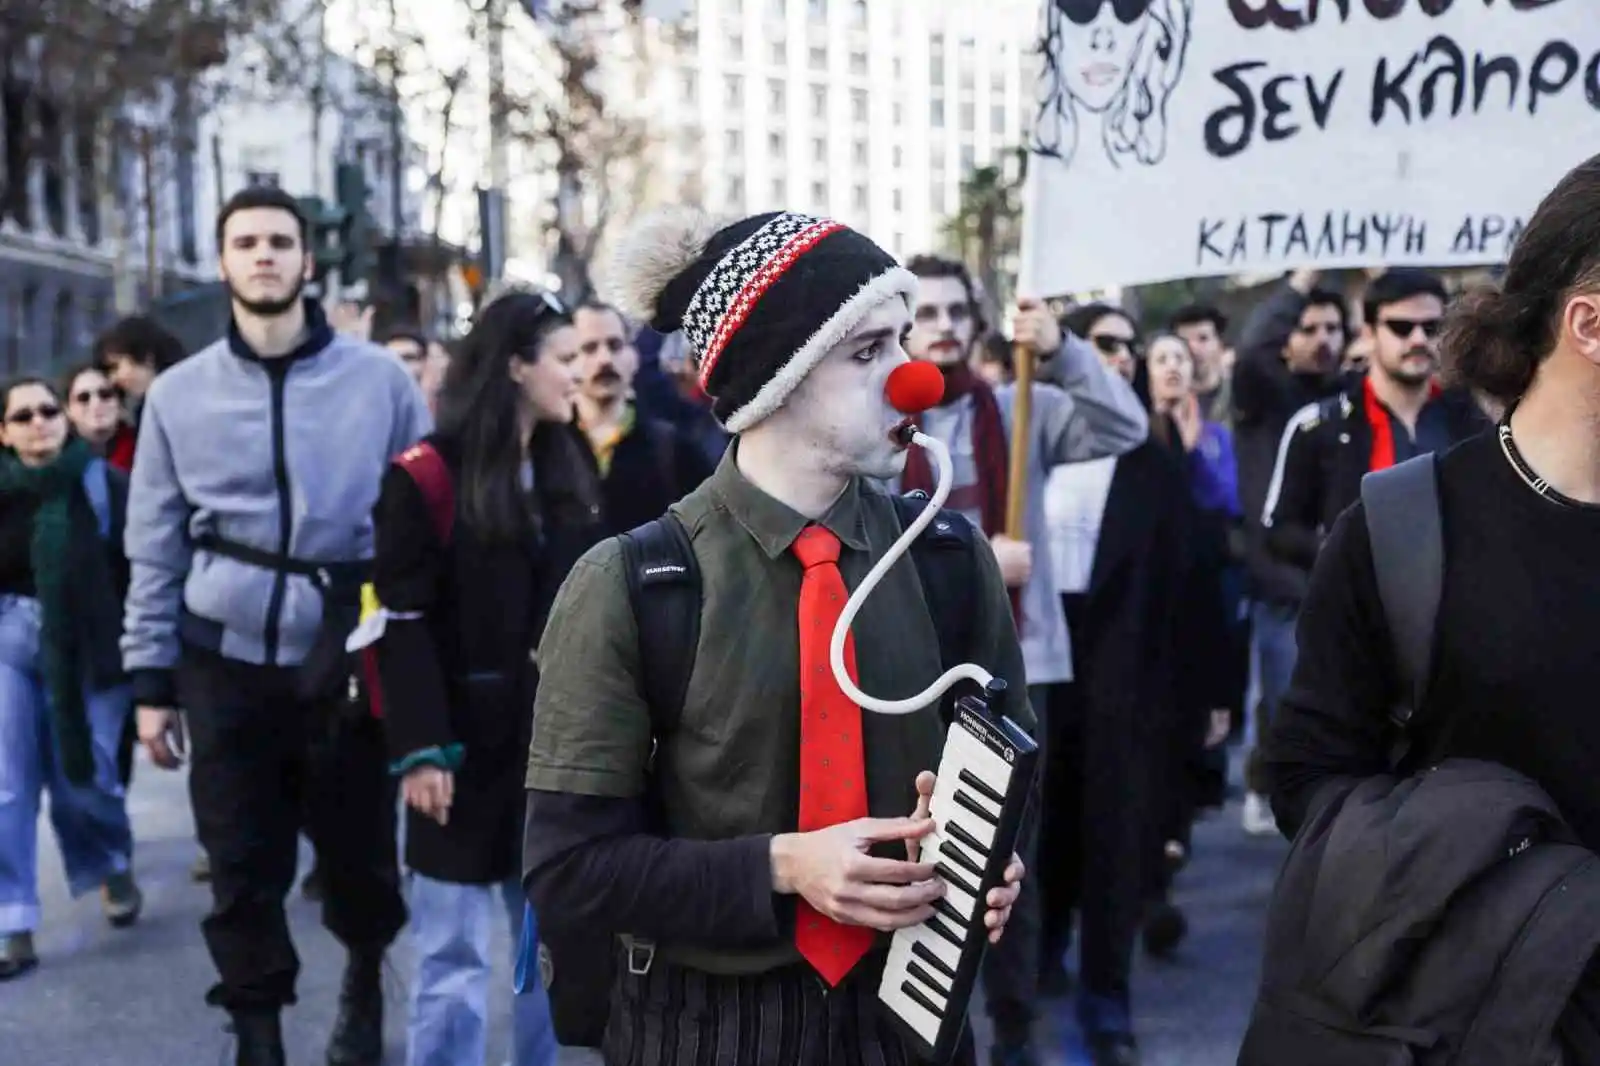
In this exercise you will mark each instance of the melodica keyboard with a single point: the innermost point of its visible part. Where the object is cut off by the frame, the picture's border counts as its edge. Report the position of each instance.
(985, 777)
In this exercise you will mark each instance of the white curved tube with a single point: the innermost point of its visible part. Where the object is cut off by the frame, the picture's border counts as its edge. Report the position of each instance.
(965, 671)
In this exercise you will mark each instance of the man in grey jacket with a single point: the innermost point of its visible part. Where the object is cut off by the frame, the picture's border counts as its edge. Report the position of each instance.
(1080, 411)
(248, 531)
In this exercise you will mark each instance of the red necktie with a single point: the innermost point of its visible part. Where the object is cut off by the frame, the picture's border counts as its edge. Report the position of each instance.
(833, 776)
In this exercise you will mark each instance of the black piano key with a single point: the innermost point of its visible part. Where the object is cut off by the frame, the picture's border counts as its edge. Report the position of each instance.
(966, 838)
(917, 971)
(961, 859)
(920, 999)
(966, 802)
(931, 957)
(945, 931)
(981, 787)
(956, 879)
(942, 907)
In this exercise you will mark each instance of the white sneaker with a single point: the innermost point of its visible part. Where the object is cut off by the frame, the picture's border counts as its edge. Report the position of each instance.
(1258, 820)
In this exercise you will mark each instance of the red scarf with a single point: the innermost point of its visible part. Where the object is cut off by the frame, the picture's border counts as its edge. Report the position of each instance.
(1382, 428)
(990, 452)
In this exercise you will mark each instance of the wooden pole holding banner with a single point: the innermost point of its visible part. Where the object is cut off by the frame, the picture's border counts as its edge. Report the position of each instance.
(1021, 437)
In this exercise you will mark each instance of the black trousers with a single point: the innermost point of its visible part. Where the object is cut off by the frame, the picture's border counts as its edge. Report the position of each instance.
(264, 764)
(674, 1016)
(1011, 967)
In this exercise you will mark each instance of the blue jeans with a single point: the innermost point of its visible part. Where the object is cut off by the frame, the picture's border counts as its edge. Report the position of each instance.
(452, 926)
(1273, 636)
(90, 820)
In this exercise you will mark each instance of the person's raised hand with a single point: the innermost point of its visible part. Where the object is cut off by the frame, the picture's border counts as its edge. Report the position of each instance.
(1035, 328)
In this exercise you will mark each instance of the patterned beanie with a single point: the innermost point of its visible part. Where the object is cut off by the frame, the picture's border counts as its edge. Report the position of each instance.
(760, 302)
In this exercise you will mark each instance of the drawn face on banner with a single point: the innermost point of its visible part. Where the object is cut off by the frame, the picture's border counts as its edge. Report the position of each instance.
(1111, 64)
(839, 414)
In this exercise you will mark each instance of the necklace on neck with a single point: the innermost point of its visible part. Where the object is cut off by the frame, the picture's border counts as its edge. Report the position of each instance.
(1508, 446)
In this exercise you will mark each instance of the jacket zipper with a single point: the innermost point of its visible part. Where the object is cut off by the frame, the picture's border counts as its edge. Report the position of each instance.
(277, 375)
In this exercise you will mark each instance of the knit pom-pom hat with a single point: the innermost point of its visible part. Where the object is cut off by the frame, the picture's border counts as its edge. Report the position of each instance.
(760, 301)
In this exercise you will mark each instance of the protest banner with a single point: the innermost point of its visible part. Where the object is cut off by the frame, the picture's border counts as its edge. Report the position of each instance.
(1185, 138)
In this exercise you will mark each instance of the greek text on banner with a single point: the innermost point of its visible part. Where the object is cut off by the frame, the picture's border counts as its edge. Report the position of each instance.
(1181, 138)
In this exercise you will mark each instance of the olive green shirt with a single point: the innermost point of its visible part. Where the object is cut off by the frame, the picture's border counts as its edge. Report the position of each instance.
(731, 767)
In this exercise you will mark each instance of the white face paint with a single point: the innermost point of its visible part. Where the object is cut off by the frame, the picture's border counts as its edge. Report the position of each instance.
(839, 415)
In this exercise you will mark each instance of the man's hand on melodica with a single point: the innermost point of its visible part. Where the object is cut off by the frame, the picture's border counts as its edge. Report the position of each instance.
(1001, 899)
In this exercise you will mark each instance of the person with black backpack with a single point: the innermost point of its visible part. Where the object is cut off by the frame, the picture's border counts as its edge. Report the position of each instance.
(724, 808)
(1434, 759)
(476, 527)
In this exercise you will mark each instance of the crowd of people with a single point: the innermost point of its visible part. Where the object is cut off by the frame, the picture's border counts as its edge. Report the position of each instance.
(340, 578)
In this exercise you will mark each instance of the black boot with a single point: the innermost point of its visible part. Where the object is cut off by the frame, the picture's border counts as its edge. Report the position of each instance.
(358, 1030)
(259, 1037)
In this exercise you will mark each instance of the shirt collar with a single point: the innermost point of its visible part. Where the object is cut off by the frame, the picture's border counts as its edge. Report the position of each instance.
(775, 525)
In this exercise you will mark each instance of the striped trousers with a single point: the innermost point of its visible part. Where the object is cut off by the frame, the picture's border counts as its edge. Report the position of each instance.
(674, 1016)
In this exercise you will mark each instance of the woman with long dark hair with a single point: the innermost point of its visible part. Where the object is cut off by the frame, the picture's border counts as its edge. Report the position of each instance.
(63, 699)
(476, 528)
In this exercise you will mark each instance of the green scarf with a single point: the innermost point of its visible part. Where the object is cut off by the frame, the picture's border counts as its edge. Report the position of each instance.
(58, 537)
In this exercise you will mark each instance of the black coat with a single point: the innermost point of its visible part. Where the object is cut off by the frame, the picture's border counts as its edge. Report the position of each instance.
(464, 673)
(652, 468)
(1453, 908)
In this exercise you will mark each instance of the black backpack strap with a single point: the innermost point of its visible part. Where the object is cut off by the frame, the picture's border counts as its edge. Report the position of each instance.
(664, 590)
(1406, 529)
(947, 566)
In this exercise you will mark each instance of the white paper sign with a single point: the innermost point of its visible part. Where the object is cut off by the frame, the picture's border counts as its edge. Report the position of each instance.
(1183, 138)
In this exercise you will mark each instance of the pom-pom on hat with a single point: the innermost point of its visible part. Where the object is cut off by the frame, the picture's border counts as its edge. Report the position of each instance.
(760, 301)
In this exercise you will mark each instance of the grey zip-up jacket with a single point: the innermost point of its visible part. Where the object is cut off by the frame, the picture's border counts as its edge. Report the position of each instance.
(282, 455)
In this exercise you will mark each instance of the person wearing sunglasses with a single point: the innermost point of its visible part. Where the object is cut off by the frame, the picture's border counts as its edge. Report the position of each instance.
(1397, 409)
(469, 558)
(64, 701)
(94, 406)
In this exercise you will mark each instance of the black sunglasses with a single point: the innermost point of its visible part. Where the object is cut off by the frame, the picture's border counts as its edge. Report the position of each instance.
(553, 308)
(1402, 328)
(105, 392)
(1083, 12)
(22, 416)
(1110, 345)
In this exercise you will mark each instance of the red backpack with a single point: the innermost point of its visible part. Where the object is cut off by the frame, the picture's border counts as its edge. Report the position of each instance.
(428, 471)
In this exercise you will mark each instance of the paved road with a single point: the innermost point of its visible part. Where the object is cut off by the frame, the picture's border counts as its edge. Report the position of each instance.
(134, 997)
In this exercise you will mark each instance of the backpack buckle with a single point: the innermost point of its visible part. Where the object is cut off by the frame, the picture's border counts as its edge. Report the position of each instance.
(641, 955)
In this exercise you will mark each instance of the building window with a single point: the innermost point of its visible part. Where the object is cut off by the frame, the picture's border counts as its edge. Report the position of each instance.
(776, 145)
(899, 200)
(969, 117)
(899, 157)
(969, 158)
(819, 196)
(819, 101)
(936, 197)
(736, 46)
(735, 141)
(780, 54)
(858, 152)
(898, 109)
(780, 192)
(819, 58)
(63, 336)
(736, 193)
(734, 91)
(997, 118)
(778, 10)
(858, 13)
(858, 64)
(819, 150)
(898, 66)
(859, 197)
(267, 179)
(817, 10)
(777, 95)
(936, 61)
(88, 194)
(691, 87)
(936, 114)
(858, 104)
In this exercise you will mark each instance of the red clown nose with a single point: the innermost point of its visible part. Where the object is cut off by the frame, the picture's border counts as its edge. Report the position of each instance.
(914, 387)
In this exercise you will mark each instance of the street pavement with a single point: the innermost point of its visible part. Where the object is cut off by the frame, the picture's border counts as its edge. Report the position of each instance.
(134, 997)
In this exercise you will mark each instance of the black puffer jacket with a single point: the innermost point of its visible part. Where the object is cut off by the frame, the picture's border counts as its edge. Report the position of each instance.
(1444, 918)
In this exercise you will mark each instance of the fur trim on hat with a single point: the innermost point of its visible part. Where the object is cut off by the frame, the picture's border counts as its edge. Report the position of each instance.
(655, 250)
(896, 282)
